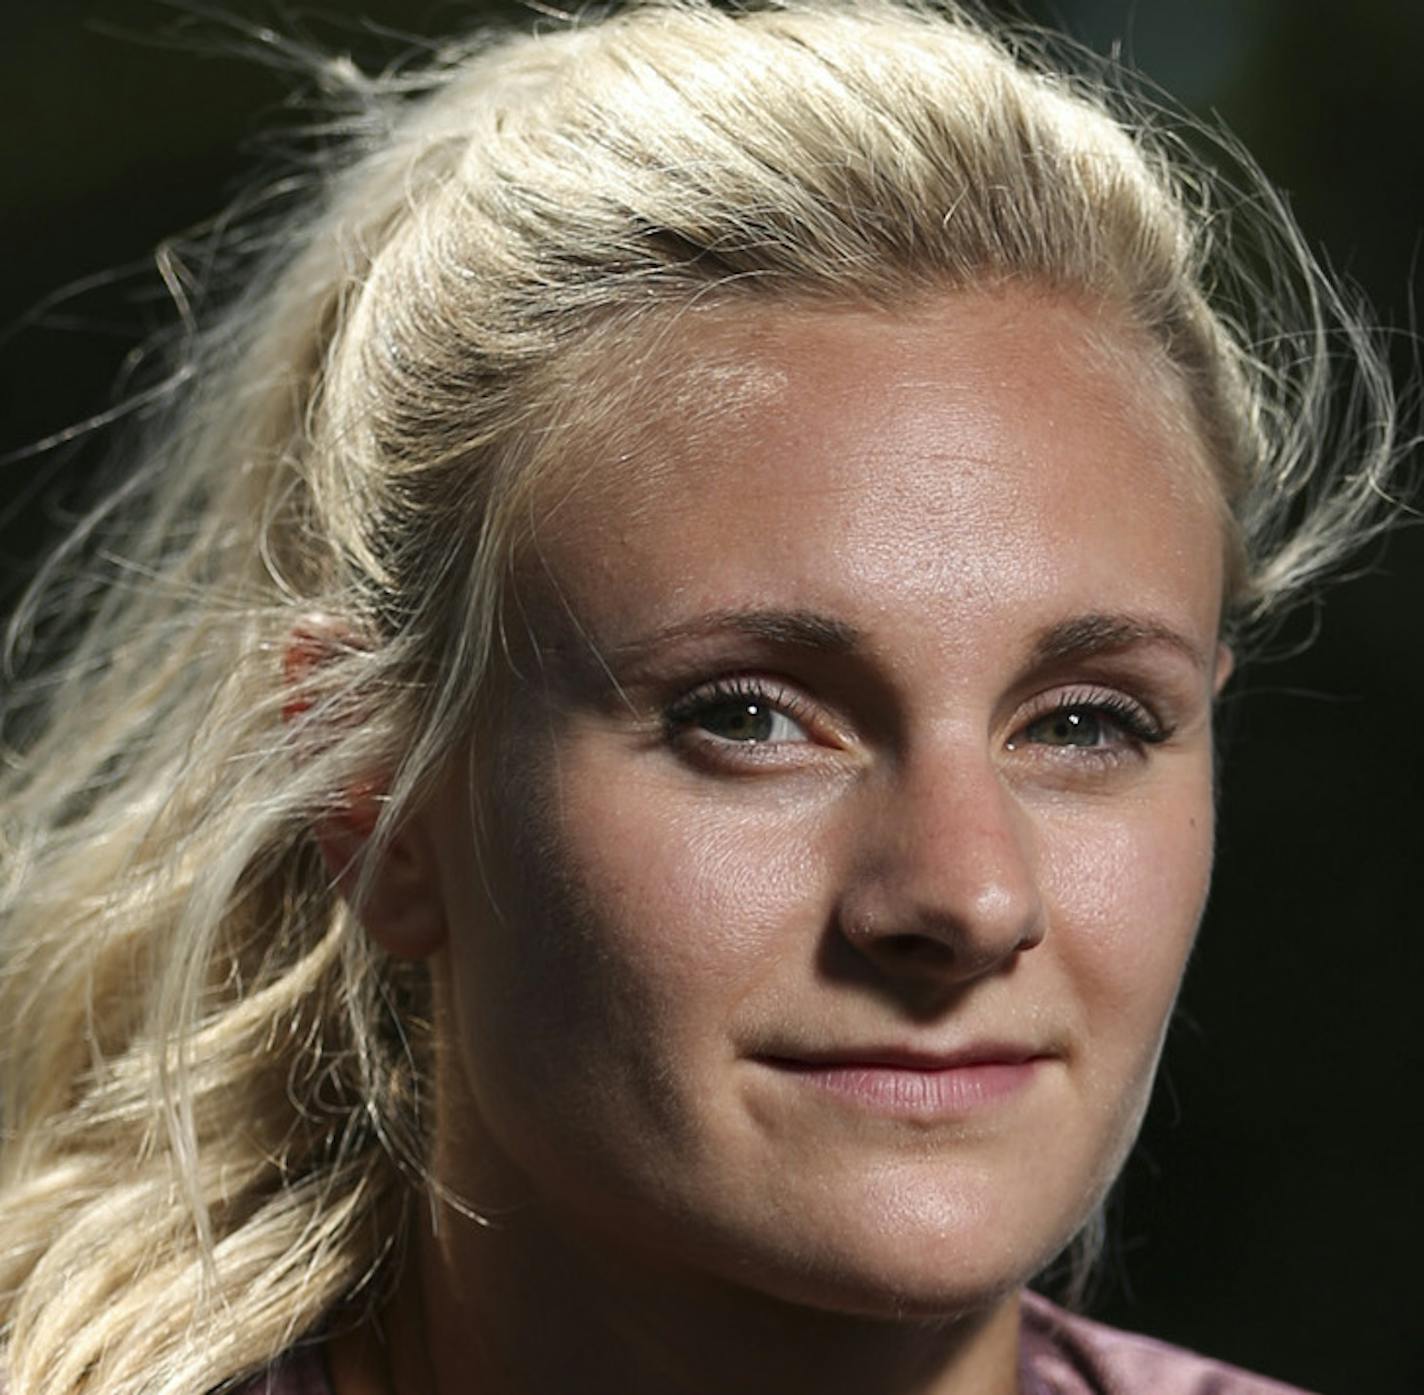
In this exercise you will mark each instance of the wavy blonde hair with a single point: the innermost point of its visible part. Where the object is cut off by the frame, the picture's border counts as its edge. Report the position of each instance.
(212, 1084)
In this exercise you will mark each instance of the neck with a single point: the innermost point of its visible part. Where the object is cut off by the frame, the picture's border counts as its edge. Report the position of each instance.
(522, 1308)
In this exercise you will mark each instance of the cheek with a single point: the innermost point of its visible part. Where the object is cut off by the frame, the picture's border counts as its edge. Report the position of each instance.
(634, 918)
(1127, 898)
(697, 896)
(598, 1002)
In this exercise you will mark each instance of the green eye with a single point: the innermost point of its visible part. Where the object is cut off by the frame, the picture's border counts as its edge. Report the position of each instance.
(1094, 722)
(740, 712)
(1069, 726)
(740, 719)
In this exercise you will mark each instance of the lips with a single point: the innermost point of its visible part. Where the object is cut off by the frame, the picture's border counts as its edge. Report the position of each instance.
(979, 1053)
(914, 1082)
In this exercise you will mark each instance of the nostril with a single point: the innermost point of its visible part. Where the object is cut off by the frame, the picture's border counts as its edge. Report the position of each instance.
(918, 949)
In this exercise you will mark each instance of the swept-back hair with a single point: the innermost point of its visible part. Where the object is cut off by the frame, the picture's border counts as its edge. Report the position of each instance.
(212, 1084)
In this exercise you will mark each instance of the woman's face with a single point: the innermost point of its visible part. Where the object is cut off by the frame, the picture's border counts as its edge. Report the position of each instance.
(853, 813)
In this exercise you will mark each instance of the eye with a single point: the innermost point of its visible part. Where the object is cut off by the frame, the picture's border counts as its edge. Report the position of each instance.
(740, 711)
(1070, 726)
(1090, 720)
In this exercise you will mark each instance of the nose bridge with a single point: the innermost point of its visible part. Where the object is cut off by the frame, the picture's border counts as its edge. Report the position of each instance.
(949, 863)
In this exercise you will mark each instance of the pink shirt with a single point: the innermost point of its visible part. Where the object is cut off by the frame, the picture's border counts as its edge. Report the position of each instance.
(1060, 1354)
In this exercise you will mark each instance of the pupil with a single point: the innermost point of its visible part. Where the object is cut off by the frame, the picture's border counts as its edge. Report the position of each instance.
(740, 721)
(1075, 729)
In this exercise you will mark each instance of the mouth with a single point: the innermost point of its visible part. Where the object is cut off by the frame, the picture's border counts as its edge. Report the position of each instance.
(911, 1083)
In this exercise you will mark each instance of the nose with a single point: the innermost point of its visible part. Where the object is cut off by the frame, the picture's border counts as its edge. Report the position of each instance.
(944, 885)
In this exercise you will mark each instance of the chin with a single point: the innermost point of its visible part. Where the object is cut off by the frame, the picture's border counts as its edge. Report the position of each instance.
(890, 1293)
(935, 1265)
(909, 1298)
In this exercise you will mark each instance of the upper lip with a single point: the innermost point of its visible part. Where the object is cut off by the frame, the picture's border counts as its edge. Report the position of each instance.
(899, 1057)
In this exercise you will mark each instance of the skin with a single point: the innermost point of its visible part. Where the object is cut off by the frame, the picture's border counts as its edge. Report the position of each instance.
(966, 562)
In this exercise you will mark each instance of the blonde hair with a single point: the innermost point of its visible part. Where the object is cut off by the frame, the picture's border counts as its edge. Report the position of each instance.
(211, 1082)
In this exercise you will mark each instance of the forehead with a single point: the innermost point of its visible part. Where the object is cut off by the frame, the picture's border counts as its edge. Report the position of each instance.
(827, 458)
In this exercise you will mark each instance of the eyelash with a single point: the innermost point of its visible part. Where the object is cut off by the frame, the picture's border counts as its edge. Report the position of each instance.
(681, 716)
(1138, 726)
(1134, 720)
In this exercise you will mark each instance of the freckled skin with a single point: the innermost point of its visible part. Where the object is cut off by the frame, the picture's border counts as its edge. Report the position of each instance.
(918, 866)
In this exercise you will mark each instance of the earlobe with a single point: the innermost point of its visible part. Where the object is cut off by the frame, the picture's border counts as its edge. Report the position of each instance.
(392, 883)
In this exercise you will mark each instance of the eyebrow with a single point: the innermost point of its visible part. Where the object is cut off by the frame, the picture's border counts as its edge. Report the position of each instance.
(1086, 635)
(1079, 637)
(797, 629)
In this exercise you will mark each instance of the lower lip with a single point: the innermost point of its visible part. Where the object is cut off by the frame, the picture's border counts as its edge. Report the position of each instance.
(915, 1092)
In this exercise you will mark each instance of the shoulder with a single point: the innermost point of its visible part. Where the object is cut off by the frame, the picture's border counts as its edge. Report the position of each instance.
(299, 1372)
(1062, 1354)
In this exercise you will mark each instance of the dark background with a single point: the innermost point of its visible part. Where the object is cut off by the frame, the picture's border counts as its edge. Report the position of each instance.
(1270, 1215)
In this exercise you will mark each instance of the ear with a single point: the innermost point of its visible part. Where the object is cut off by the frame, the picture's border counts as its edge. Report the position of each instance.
(1225, 663)
(400, 903)
(393, 883)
